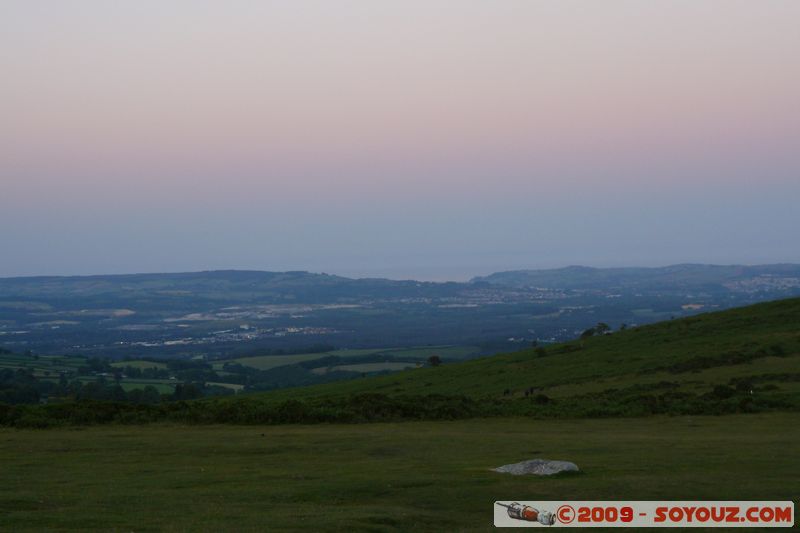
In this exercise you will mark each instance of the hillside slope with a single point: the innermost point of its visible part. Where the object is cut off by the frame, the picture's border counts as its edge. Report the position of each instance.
(741, 360)
(756, 348)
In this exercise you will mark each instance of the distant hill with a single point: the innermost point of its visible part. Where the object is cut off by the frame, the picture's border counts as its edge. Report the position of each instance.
(308, 287)
(219, 285)
(222, 314)
(730, 277)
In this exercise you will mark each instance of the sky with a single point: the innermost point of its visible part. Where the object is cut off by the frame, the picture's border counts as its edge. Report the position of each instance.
(423, 139)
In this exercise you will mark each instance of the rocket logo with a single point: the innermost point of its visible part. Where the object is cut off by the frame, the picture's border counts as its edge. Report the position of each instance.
(527, 513)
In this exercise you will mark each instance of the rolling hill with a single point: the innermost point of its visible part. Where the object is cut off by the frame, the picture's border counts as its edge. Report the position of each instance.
(760, 343)
(682, 276)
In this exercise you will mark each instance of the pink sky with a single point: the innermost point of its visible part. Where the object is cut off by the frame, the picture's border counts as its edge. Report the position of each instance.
(260, 112)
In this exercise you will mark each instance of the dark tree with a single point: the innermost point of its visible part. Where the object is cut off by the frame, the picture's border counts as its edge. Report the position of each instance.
(434, 360)
(150, 395)
(187, 391)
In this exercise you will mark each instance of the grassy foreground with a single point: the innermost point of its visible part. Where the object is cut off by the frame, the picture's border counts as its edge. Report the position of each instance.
(376, 477)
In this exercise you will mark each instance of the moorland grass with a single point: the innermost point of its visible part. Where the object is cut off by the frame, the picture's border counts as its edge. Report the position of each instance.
(420, 476)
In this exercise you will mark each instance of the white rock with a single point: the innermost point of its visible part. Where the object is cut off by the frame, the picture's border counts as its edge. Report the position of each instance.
(539, 467)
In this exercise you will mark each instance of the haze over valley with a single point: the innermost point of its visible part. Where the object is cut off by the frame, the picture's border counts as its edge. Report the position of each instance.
(221, 314)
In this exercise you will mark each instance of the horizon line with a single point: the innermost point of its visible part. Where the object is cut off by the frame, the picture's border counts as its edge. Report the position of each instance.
(357, 278)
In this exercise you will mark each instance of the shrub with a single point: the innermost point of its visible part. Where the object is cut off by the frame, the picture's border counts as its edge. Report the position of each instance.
(541, 399)
(723, 392)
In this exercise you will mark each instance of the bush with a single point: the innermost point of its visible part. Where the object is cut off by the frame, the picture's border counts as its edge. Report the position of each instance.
(777, 349)
(541, 399)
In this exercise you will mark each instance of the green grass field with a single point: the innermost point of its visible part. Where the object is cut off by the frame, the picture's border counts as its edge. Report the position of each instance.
(163, 386)
(42, 366)
(139, 364)
(410, 355)
(365, 367)
(267, 362)
(420, 476)
(233, 386)
(445, 352)
(355, 352)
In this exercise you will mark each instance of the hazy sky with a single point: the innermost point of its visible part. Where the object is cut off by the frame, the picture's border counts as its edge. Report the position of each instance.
(429, 139)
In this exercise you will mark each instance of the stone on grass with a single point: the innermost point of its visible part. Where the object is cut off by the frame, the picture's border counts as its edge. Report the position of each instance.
(538, 467)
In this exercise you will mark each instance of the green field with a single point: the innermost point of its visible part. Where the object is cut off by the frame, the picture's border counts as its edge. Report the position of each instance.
(42, 366)
(139, 364)
(409, 355)
(233, 386)
(365, 367)
(423, 352)
(267, 362)
(420, 476)
(355, 352)
(163, 386)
